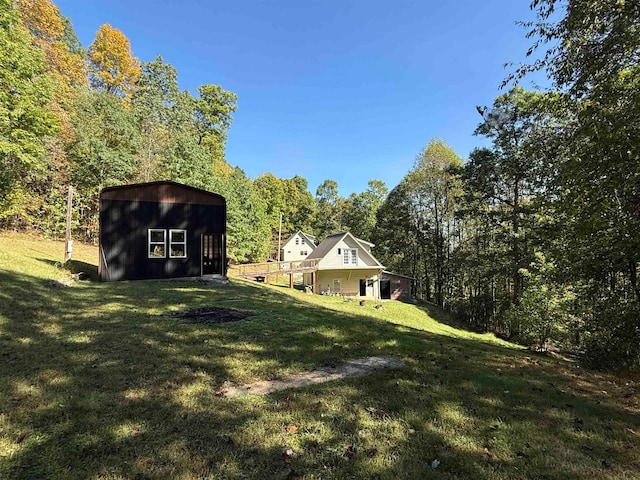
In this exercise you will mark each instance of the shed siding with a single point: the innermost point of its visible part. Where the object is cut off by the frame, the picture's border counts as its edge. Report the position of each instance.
(399, 286)
(123, 237)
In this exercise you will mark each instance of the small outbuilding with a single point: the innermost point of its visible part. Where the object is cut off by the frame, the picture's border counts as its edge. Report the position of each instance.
(394, 286)
(161, 230)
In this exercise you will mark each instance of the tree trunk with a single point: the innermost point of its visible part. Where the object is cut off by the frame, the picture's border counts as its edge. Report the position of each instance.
(633, 277)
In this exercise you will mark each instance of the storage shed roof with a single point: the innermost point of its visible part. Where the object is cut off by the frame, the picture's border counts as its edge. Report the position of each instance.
(162, 192)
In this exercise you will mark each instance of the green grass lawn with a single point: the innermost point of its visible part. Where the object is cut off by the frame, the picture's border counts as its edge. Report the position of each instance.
(101, 381)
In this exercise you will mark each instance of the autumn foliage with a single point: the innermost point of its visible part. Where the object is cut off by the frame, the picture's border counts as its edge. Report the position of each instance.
(113, 68)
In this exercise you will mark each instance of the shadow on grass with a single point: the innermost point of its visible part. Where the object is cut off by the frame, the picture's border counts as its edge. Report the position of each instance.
(99, 382)
(75, 267)
(434, 311)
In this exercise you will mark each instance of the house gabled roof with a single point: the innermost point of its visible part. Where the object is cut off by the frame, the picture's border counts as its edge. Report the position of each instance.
(309, 239)
(329, 243)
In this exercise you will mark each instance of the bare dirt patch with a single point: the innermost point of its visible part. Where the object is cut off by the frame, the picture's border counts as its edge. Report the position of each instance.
(210, 315)
(351, 368)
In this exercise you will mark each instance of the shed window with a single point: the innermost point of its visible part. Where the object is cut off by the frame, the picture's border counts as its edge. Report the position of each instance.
(177, 243)
(157, 243)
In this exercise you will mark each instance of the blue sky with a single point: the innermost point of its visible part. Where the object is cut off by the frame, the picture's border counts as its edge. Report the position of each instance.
(348, 90)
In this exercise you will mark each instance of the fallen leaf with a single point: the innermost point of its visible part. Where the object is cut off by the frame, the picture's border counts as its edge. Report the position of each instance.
(487, 454)
(350, 451)
(292, 429)
(21, 438)
(435, 463)
(411, 431)
(135, 431)
(628, 430)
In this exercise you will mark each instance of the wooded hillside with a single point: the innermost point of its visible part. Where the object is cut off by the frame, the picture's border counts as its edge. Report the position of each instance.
(534, 237)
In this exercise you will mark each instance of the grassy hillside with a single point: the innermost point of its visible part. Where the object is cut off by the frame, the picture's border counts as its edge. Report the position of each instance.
(101, 381)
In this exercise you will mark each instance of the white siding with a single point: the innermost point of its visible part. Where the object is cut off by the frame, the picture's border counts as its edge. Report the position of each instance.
(334, 259)
(349, 281)
(295, 251)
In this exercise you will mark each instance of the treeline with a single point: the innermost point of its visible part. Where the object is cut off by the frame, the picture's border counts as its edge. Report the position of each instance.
(98, 117)
(537, 237)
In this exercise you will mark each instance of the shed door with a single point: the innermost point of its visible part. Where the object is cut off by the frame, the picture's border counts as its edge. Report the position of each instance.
(212, 254)
(385, 289)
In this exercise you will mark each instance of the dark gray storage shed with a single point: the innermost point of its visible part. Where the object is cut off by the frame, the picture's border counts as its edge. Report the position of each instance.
(161, 230)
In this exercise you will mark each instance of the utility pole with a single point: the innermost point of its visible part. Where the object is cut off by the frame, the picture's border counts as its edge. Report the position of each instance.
(68, 243)
(279, 236)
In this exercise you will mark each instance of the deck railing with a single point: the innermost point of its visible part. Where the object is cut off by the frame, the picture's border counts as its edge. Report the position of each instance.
(266, 269)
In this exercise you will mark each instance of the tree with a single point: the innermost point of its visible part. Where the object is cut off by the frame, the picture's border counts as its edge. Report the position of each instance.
(507, 176)
(113, 68)
(154, 103)
(398, 244)
(435, 185)
(25, 92)
(328, 208)
(360, 209)
(300, 212)
(102, 152)
(247, 223)
(272, 191)
(213, 116)
(592, 55)
(54, 35)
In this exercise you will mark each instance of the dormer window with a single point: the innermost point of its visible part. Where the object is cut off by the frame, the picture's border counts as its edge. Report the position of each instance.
(350, 256)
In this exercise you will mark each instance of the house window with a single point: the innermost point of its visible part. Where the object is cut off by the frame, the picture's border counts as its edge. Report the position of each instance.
(303, 252)
(350, 256)
(297, 241)
(157, 243)
(177, 243)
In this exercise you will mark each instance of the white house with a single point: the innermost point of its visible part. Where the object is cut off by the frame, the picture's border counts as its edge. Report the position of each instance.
(346, 267)
(297, 247)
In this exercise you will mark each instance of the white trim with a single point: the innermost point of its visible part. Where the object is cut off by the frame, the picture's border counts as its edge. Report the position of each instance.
(172, 242)
(157, 244)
